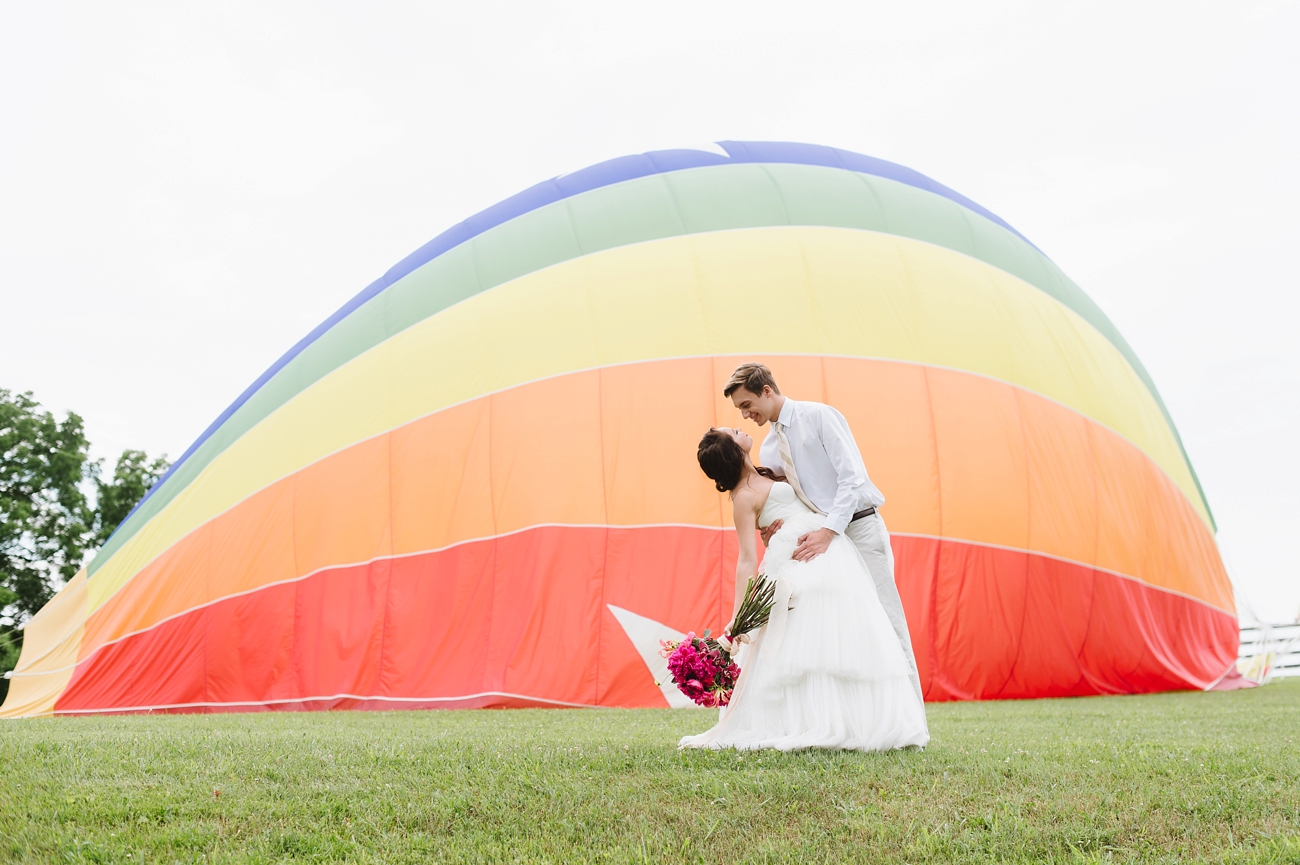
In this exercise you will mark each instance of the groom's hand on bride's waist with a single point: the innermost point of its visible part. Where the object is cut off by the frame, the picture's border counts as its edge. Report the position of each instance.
(813, 545)
(773, 528)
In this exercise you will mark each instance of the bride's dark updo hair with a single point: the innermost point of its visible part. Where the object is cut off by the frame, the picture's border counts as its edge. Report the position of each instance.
(723, 461)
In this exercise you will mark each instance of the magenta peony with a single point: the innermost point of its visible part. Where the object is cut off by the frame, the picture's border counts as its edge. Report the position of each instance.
(701, 669)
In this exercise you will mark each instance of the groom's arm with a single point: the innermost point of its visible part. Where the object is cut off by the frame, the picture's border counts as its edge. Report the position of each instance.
(851, 479)
(850, 472)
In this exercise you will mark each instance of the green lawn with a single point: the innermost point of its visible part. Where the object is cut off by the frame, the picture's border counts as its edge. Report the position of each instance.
(1170, 777)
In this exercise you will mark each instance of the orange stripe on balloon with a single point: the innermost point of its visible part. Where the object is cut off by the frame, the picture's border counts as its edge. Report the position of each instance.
(967, 457)
(957, 455)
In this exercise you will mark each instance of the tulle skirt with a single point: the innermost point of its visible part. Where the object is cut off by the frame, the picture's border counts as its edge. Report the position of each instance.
(833, 676)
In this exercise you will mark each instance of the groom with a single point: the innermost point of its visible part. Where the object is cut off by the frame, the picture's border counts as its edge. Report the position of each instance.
(812, 446)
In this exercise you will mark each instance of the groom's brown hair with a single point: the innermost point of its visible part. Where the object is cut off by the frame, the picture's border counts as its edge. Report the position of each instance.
(752, 377)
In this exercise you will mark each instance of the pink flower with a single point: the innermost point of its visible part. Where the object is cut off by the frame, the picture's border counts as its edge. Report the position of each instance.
(701, 670)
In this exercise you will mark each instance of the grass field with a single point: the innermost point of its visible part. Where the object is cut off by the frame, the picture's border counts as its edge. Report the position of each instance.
(1170, 777)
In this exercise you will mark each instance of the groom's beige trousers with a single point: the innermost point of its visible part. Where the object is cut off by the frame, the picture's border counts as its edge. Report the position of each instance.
(871, 538)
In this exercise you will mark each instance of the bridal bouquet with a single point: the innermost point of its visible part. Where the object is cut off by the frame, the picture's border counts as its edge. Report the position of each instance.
(701, 667)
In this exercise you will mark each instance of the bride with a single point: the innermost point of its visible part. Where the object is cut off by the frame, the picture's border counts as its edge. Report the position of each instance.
(827, 670)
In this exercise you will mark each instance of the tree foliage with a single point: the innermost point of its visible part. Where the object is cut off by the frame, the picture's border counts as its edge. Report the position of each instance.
(48, 525)
(45, 519)
(132, 477)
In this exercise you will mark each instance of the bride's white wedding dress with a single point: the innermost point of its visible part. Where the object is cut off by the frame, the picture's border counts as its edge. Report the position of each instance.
(832, 675)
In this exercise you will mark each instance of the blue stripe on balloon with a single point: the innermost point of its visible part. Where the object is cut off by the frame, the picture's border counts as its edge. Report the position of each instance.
(567, 185)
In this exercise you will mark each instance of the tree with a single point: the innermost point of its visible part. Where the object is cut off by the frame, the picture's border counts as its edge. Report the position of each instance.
(9, 651)
(45, 519)
(48, 526)
(133, 475)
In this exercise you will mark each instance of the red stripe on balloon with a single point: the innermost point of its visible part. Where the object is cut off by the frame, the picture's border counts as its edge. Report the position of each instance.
(992, 623)
(521, 614)
(522, 620)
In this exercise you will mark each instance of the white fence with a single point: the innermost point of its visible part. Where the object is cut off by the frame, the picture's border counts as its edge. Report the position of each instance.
(1273, 649)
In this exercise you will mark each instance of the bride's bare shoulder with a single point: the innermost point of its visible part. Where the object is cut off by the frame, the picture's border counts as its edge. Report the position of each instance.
(751, 496)
(743, 496)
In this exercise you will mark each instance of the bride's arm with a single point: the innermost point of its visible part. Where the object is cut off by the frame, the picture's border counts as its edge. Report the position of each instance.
(745, 516)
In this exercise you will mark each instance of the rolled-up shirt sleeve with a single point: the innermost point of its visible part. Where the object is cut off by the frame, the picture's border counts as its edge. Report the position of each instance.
(852, 486)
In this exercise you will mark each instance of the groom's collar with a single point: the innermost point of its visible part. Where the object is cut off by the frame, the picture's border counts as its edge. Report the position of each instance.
(786, 416)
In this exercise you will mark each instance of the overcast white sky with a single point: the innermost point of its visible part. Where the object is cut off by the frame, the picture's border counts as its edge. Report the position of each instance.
(186, 189)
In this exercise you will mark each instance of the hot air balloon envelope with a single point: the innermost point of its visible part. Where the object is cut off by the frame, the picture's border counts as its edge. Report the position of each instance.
(475, 484)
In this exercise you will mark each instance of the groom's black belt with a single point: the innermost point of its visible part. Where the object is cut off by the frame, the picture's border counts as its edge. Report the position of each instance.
(864, 513)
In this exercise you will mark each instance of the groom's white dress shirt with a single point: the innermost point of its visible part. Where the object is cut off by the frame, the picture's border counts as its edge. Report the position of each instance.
(830, 468)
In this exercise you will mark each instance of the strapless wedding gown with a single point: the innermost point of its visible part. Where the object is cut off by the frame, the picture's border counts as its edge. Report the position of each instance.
(832, 675)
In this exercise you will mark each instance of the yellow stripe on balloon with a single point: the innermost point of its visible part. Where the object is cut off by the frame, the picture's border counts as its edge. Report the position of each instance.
(783, 290)
(51, 646)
